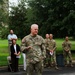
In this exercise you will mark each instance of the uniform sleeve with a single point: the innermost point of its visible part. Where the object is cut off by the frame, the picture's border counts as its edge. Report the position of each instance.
(46, 45)
(63, 46)
(69, 45)
(54, 46)
(23, 45)
(43, 48)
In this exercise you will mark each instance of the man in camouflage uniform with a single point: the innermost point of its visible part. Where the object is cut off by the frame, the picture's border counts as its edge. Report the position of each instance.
(67, 51)
(34, 47)
(51, 47)
(47, 55)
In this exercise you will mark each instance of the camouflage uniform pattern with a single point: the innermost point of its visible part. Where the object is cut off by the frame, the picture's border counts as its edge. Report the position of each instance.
(35, 54)
(46, 41)
(51, 45)
(67, 46)
(47, 53)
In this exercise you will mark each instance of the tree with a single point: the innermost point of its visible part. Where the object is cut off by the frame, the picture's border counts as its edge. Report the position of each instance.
(51, 16)
(3, 18)
(1, 12)
(18, 20)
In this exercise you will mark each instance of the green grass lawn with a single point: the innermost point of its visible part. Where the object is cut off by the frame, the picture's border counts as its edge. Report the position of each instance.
(60, 41)
(4, 50)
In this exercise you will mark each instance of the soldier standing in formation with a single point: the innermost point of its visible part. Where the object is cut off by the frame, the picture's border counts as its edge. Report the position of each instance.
(67, 51)
(47, 52)
(51, 47)
(34, 47)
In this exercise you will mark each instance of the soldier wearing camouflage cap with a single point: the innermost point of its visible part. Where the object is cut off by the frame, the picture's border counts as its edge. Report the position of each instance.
(34, 47)
(47, 55)
(51, 47)
(67, 51)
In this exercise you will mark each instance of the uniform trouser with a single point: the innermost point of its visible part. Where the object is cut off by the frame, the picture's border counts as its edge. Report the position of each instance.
(24, 61)
(52, 59)
(46, 59)
(37, 67)
(67, 54)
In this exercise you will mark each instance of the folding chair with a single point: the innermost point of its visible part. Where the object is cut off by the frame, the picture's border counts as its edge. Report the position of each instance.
(9, 63)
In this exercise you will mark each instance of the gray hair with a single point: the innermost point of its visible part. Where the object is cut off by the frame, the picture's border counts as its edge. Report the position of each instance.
(34, 25)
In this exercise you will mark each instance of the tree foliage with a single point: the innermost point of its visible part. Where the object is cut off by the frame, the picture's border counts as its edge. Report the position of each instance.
(52, 16)
(18, 20)
(3, 18)
(1, 12)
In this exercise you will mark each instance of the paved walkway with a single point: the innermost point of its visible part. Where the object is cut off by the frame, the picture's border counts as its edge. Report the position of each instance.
(47, 71)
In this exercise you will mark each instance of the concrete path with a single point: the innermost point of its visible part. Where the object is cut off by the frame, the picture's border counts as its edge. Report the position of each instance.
(47, 71)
